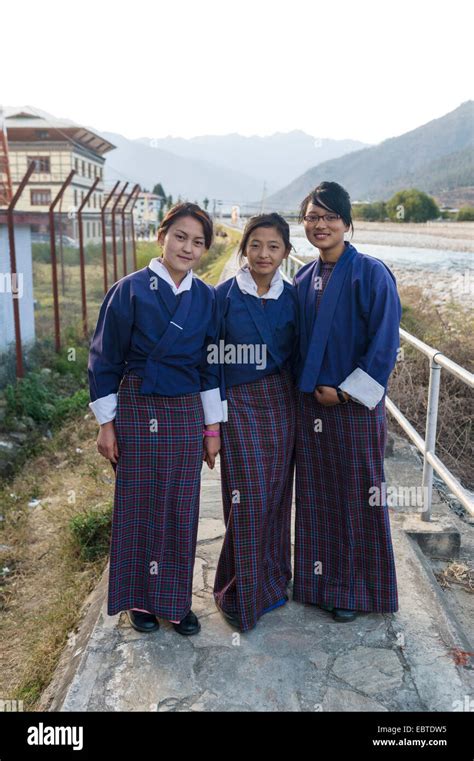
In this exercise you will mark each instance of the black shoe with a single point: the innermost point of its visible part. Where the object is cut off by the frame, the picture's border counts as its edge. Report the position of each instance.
(230, 618)
(143, 622)
(342, 616)
(329, 608)
(189, 625)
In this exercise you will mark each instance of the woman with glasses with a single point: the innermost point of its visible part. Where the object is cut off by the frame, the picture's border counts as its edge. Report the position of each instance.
(349, 336)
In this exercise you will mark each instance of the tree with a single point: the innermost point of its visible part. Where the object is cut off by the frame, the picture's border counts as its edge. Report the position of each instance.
(371, 212)
(412, 206)
(205, 203)
(466, 214)
(158, 191)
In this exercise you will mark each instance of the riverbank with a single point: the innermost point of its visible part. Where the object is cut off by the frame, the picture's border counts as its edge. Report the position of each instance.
(437, 257)
(443, 289)
(451, 236)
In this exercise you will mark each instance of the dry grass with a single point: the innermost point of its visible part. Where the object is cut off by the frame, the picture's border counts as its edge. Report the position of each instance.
(47, 581)
(451, 332)
(457, 573)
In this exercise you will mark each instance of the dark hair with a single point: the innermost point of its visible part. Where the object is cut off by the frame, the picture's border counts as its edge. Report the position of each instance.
(185, 209)
(264, 220)
(331, 196)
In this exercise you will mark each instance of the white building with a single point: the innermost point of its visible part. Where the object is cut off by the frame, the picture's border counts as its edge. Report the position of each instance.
(147, 213)
(56, 146)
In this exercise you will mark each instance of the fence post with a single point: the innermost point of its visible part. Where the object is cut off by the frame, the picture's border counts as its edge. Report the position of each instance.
(54, 268)
(104, 234)
(430, 436)
(82, 261)
(132, 225)
(124, 231)
(13, 269)
(114, 237)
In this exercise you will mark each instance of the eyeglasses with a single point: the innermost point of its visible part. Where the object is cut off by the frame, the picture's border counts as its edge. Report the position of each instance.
(329, 218)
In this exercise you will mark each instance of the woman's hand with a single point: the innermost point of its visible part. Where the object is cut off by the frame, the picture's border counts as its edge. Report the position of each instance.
(212, 445)
(327, 395)
(107, 442)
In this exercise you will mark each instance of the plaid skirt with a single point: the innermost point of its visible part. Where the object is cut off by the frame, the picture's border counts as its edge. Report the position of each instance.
(257, 464)
(156, 504)
(343, 547)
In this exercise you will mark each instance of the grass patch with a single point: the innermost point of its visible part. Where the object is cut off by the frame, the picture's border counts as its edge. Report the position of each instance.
(55, 535)
(91, 532)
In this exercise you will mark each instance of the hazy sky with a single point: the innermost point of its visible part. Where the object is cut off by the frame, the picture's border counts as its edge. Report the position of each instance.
(356, 69)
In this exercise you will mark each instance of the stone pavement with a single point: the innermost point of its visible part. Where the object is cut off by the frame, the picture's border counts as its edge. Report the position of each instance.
(296, 659)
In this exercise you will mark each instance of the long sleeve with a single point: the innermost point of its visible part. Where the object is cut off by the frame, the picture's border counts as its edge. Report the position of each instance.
(367, 383)
(108, 351)
(211, 372)
(295, 358)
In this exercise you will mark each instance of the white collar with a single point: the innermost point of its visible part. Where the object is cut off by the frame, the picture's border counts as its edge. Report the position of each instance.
(247, 284)
(157, 266)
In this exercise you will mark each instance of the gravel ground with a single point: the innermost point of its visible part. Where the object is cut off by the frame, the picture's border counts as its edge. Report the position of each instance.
(454, 236)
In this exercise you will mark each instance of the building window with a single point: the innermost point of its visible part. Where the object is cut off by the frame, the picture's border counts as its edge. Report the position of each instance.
(41, 133)
(76, 164)
(89, 173)
(41, 163)
(40, 197)
(75, 198)
(88, 227)
(83, 168)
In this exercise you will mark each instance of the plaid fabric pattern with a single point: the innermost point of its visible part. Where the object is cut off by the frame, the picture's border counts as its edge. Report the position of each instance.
(156, 505)
(257, 464)
(335, 524)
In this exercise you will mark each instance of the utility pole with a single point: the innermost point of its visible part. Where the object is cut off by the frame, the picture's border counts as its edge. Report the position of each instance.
(6, 190)
(264, 191)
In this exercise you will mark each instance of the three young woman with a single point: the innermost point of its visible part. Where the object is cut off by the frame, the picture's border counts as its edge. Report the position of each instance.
(153, 390)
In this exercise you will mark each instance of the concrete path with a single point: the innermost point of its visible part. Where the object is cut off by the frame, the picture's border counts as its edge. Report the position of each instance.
(297, 658)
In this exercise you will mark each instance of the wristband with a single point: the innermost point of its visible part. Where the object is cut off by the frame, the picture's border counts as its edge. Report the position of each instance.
(341, 397)
(211, 433)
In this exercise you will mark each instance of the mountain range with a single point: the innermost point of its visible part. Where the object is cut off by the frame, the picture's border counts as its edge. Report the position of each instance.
(231, 168)
(437, 157)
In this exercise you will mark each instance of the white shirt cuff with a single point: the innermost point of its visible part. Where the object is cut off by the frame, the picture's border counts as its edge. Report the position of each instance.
(213, 406)
(363, 388)
(104, 408)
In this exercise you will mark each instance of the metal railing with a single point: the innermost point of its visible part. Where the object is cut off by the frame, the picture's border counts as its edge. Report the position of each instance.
(427, 445)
